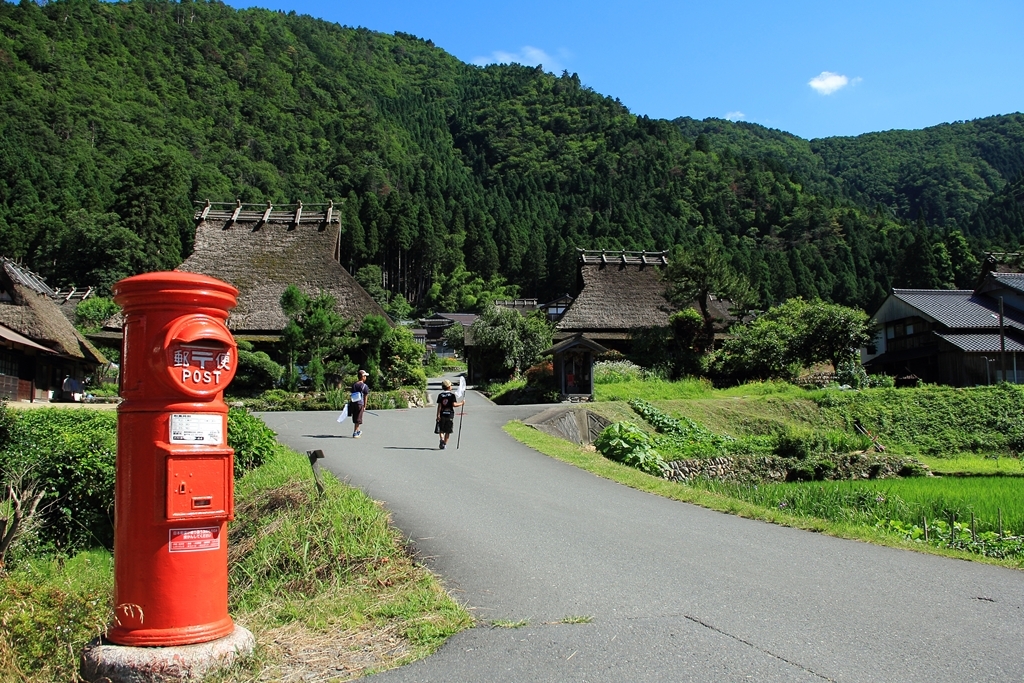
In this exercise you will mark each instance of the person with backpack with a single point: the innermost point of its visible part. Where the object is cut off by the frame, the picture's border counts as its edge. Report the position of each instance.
(447, 402)
(357, 403)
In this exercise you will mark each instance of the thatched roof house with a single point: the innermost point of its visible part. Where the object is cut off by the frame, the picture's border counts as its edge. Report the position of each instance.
(619, 291)
(262, 251)
(28, 309)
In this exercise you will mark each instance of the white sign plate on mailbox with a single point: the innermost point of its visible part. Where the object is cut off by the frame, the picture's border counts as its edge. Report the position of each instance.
(197, 428)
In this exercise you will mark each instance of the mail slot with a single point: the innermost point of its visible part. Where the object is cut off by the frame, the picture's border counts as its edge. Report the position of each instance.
(174, 490)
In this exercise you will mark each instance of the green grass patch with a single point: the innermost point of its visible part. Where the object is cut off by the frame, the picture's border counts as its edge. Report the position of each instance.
(976, 465)
(309, 575)
(505, 623)
(49, 610)
(723, 499)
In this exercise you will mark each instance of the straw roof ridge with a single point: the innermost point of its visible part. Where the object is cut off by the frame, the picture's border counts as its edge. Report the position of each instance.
(621, 294)
(262, 257)
(35, 315)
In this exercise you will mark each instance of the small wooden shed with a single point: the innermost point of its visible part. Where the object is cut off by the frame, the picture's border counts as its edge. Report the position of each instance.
(573, 367)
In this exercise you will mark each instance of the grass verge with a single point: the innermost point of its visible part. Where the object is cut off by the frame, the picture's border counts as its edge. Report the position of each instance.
(325, 583)
(595, 463)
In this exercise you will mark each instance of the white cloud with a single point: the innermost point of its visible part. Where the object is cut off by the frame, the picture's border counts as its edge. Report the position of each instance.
(527, 56)
(735, 116)
(827, 82)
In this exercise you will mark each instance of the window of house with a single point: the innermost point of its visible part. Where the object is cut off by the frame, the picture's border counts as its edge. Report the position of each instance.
(910, 328)
(8, 365)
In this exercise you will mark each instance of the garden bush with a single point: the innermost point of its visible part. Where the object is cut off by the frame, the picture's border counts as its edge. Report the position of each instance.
(252, 441)
(630, 445)
(72, 454)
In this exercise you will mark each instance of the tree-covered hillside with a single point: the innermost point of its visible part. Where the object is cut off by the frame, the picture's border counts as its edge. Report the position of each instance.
(114, 117)
(941, 174)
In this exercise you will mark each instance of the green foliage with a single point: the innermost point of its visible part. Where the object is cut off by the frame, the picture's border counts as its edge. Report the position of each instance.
(256, 371)
(461, 184)
(792, 335)
(91, 313)
(70, 453)
(50, 609)
(630, 445)
(315, 334)
(401, 360)
(517, 339)
(611, 372)
(437, 365)
(463, 291)
(253, 442)
(937, 421)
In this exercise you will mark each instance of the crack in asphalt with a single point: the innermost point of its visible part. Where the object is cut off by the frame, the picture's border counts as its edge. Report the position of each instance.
(759, 649)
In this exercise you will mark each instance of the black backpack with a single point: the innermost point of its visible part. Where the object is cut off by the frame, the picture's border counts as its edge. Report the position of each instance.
(446, 400)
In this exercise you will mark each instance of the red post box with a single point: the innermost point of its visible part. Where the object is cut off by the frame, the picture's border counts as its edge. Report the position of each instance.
(174, 480)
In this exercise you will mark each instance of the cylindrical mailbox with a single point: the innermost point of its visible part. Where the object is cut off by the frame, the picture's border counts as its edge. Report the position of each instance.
(174, 491)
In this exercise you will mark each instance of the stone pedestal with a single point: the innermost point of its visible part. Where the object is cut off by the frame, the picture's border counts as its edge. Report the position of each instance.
(105, 662)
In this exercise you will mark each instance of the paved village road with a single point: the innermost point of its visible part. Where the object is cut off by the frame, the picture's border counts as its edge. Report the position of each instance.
(674, 592)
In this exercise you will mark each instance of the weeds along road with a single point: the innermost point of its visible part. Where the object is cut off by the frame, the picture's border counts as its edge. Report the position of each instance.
(669, 591)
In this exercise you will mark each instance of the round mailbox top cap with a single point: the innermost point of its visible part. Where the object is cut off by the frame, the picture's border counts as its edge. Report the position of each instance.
(175, 287)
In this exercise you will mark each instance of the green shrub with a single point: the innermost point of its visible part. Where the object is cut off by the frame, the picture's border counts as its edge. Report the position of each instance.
(252, 441)
(70, 453)
(256, 372)
(50, 608)
(630, 445)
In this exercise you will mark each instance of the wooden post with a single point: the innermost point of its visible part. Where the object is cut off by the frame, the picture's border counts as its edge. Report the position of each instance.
(925, 519)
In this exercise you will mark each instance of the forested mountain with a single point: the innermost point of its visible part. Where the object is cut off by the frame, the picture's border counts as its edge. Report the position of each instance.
(941, 174)
(114, 117)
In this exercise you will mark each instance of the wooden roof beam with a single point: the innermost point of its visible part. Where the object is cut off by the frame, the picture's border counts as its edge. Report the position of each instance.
(234, 214)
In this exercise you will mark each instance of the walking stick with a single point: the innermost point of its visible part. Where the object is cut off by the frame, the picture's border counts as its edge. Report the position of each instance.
(461, 415)
(462, 395)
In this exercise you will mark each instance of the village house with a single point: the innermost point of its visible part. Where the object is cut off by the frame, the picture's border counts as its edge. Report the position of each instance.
(39, 347)
(261, 250)
(956, 337)
(618, 292)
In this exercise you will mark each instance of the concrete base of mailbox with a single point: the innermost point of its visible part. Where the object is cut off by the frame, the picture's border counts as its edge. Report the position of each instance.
(103, 661)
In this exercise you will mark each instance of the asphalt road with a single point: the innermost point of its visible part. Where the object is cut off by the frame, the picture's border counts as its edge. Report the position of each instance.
(672, 592)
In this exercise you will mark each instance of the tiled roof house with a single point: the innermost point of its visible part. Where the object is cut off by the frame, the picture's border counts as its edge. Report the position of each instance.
(952, 337)
(262, 251)
(39, 346)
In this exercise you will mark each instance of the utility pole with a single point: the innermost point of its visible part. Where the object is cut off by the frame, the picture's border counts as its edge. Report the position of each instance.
(1002, 340)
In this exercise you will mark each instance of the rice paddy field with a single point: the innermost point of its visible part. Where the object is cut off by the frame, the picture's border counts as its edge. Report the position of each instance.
(906, 500)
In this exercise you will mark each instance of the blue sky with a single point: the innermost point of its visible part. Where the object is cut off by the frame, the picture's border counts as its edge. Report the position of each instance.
(814, 69)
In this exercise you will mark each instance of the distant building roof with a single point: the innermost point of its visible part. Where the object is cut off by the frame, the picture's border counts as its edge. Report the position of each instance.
(958, 308)
(261, 251)
(620, 291)
(465, 319)
(980, 343)
(32, 313)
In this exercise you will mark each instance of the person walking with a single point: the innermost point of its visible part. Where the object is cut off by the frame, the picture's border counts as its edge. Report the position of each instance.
(357, 403)
(447, 402)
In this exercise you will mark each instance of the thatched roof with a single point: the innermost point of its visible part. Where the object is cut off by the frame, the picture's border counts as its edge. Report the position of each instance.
(621, 291)
(33, 313)
(263, 251)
